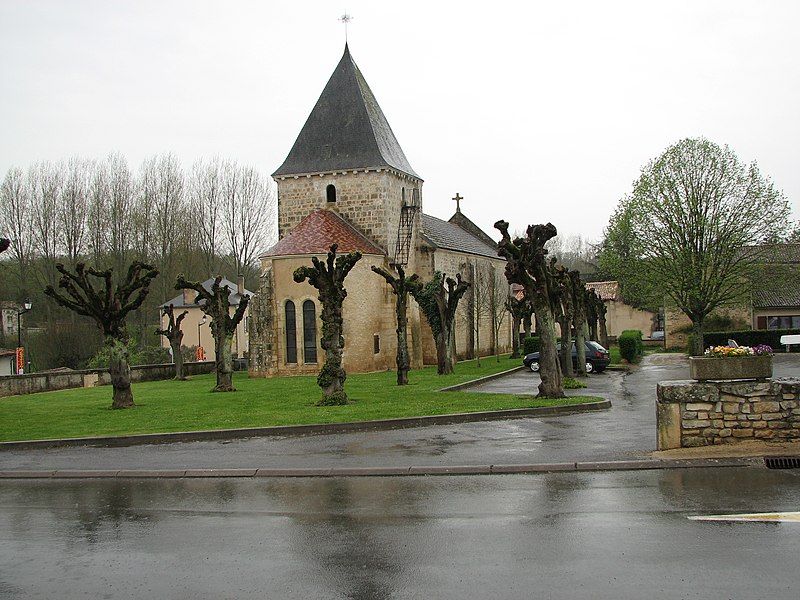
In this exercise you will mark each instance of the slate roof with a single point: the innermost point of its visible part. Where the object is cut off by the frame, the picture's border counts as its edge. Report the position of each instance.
(777, 286)
(607, 290)
(776, 253)
(234, 297)
(315, 234)
(449, 236)
(345, 130)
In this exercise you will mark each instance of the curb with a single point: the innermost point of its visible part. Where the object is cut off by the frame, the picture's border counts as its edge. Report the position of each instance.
(430, 470)
(480, 380)
(316, 429)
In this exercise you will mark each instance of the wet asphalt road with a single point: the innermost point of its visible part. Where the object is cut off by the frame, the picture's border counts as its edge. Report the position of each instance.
(625, 431)
(613, 535)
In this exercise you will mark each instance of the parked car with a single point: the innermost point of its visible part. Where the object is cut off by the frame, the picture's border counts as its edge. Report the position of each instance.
(597, 358)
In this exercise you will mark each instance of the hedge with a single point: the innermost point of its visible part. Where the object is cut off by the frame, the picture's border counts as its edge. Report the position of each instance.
(531, 344)
(750, 337)
(630, 343)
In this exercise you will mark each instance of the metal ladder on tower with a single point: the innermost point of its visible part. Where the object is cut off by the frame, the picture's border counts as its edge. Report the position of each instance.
(405, 228)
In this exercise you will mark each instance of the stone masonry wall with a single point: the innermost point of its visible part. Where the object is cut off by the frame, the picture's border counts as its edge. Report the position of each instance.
(370, 200)
(691, 414)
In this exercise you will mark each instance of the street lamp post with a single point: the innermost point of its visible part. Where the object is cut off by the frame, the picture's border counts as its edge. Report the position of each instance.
(26, 307)
(202, 322)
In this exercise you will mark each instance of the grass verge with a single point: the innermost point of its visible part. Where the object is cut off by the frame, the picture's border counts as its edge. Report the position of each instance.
(169, 406)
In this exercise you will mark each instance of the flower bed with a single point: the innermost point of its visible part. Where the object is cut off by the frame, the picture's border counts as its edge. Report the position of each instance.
(731, 363)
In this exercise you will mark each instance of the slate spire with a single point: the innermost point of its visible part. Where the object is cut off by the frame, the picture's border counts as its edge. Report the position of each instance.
(346, 130)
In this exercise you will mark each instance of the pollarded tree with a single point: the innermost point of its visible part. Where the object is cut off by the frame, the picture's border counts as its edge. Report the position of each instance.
(596, 310)
(528, 266)
(216, 304)
(108, 306)
(580, 324)
(174, 335)
(328, 277)
(518, 308)
(438, 300)
(402, 287)
(564, 309)
(683, 234)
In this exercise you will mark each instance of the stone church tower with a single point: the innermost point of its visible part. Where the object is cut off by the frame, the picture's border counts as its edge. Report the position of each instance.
(346, 180)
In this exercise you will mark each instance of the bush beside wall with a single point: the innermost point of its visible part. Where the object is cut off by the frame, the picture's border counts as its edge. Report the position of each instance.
(754, 337)
(531, 344)
(630, 343)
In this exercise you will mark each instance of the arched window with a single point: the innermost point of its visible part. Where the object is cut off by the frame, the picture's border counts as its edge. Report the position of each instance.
(330, 192)
(309, 332)
(291, 333)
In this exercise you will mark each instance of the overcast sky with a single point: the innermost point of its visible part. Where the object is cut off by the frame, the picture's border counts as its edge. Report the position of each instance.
(533, 111)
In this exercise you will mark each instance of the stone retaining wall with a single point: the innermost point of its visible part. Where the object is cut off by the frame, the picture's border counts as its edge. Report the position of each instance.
(13, 385)
(691, 414)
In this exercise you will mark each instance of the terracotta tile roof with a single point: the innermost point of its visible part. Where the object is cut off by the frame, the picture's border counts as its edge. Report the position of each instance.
(315, 234)
(607, 290)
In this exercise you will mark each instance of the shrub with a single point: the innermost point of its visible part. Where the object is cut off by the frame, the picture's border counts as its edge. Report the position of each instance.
(768, 337)
(630, 345)
(573, 384)
(531, 344)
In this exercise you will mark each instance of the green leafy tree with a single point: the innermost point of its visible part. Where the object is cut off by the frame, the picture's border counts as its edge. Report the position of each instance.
(686, 234)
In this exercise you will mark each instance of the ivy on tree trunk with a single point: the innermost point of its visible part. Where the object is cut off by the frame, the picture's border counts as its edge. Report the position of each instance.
(174, 335)
(328, 278)
(438, 300)
(527, 265)
(216, 304)
(108, 306)
(564, 309)
(401, 287)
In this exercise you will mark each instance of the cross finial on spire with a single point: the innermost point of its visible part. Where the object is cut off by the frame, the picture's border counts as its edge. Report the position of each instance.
(345, 18)
(458, 198)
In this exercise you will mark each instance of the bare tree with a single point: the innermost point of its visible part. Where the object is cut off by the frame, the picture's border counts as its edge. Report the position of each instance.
(499, 290)
(248, 211)
(216, 304)
(402, 287)
(121, 188)
(98, 224)
(528, 266)
(438, 299)
(45, 181)
(73, 208)
(108, 306)
(174, 335)
(16, 221)
(328, 278)
(205, 190)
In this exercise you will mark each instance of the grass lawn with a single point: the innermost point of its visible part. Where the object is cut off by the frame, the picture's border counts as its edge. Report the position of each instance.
(164, 406)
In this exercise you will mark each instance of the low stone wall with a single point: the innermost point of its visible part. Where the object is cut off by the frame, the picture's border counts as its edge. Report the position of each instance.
(691, 414)
(14, 385)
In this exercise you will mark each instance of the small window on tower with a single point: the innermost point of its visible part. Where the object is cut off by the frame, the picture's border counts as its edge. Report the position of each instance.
(376, 344)
(330, 192)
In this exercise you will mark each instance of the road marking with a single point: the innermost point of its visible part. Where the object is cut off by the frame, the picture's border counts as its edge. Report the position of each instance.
(776, 517)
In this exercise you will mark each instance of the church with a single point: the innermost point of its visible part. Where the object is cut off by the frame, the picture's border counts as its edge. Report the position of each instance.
(347, 181)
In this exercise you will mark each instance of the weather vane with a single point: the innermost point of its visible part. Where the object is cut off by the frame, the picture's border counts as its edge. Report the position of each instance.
(345, 18)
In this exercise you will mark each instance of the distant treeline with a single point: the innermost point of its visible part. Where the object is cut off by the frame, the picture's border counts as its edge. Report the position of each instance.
(215, 218)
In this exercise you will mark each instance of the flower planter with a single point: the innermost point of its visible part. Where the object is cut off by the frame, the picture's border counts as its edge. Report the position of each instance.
(731, 367)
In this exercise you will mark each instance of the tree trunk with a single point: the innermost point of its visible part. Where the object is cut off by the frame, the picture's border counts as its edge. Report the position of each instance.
(177, 358)
(696, 342)
(224, 360)
(515, 321)
(332, 376)
(581, 330)
(526, 325)
(478, 340)
(403, 359)
(552, 385)
(566, 347)
(120, 372)
(603, 330)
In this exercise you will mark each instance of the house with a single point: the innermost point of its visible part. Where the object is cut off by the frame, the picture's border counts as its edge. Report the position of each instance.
(346, 180)
(776, 296)
(621, 316)
(196, 326)
(8, 362)
(9, 316)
